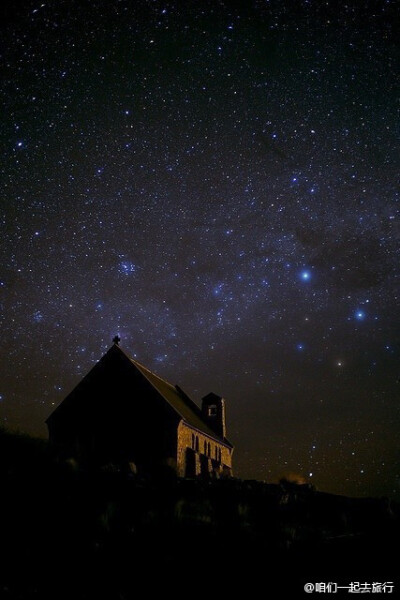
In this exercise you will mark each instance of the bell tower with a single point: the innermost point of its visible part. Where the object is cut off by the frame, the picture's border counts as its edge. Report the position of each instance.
(213, 409)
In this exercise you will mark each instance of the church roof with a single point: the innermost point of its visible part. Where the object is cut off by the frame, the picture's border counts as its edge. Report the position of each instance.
(179, 400)
(176, 398)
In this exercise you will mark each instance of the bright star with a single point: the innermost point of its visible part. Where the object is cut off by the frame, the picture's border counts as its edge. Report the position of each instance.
(37, 316)
(127, 267)
(305, 275)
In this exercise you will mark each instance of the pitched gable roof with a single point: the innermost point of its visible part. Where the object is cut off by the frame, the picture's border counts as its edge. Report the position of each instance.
(178, 400)
(175, 397)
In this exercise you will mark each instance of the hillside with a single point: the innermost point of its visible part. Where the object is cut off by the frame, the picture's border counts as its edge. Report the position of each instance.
(67, 534)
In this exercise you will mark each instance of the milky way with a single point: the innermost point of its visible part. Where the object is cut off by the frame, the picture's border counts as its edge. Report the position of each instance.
(216, 182)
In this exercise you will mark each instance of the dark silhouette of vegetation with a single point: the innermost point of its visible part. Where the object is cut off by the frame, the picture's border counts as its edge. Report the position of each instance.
(70, 534)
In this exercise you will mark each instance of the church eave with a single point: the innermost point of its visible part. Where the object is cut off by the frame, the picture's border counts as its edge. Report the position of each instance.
(215, 437)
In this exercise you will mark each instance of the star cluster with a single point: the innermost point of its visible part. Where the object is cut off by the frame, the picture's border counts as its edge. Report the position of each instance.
(216, 182)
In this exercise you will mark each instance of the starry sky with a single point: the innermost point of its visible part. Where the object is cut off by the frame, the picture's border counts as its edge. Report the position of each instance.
(216, 182)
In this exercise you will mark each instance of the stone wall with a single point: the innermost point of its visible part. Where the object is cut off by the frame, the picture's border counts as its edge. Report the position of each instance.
(199, 454)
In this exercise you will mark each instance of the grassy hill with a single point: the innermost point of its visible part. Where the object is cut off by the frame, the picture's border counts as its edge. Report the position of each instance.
(69, 534)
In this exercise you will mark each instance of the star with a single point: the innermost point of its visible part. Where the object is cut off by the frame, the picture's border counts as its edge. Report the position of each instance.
(305, 275)
(127, 267)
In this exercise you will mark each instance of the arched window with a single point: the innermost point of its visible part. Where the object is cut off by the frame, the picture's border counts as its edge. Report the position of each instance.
(209, 449)
(197, 443)
(205, 447)
(193, 441)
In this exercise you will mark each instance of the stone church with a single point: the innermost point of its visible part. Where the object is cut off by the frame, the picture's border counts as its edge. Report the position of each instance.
(122, 415)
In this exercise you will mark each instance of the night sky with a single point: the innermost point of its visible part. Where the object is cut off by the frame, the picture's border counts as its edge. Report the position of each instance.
(216, 182)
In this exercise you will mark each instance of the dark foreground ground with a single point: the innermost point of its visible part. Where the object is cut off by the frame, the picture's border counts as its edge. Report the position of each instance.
(69, 535)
